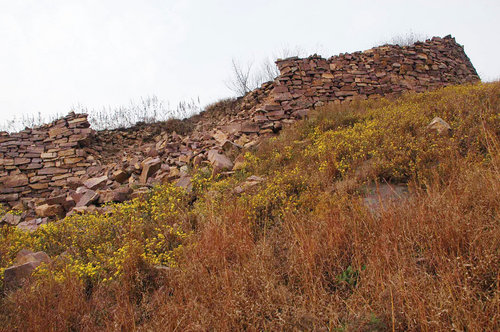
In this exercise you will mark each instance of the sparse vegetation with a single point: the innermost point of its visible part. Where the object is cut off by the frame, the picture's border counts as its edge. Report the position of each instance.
(300, 251)
(245, 78)
(148, 110)
(408, 39)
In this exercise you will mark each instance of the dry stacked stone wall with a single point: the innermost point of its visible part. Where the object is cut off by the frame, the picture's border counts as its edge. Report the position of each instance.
(380, 71)
(35, 162)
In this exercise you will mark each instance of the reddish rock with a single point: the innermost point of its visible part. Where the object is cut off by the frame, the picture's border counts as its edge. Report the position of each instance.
(26, 262)
(16, 276)
(9, 197)
(18, 180)
(185, 182)
(120, 176)
(32, 224)
(51, 171)
(149, 168)
(118, 195)
(250, 127)
(219, 161)
(96, 183)
(11, 219)
(60, 199)
(87, 198)
(46, 210)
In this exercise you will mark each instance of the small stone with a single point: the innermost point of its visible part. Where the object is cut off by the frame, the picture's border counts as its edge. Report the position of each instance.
(11, 219)
(440, 126)
(87, 198)
(120, 176)
(96, 183)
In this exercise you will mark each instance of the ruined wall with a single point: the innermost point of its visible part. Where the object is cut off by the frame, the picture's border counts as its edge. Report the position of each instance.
(380, 71)
(72, 167)
(35, 162)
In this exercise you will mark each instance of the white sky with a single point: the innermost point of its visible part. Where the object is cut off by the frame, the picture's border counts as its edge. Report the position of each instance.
(57, 53)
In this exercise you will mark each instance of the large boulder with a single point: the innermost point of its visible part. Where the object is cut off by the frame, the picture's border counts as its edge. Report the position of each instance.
(25, 263)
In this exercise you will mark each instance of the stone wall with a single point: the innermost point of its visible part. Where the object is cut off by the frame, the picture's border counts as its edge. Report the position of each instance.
(68, 167)
(35, 162)
(380, 71)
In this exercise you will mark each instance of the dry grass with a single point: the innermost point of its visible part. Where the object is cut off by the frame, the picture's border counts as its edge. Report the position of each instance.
(317, 258)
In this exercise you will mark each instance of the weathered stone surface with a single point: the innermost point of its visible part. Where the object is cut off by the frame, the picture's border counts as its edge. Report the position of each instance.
(149, 168)
(184, 182)
(59, 199)
(32, 224)
(219, 161)
(96, 183)
(25, 256)
(25, 263)
(46, 210)
(11, 219)
(118, 195)
(16, 276)
(87, 198)
(120, 176)
(18, 180)
(439, 125)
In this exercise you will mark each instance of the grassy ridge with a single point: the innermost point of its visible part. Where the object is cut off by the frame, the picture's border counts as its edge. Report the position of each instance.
(300, 250)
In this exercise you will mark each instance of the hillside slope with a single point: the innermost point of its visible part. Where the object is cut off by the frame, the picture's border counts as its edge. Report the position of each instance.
(300, 237)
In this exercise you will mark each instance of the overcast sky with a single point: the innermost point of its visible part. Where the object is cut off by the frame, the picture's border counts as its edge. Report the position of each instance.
(58, 53)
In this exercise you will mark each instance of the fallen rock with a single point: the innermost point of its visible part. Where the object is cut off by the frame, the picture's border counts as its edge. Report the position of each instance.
(118, 195)
(26, 256)
(60, 199)
(251, 181)
(120, 176)
(46, 210)
(219, 161)
(149, 168)
(25, 263)
(440, 126)
(87, 198)
(32, 224)
(185, 182)
(220, 137)
(96, 183)
(11, 219)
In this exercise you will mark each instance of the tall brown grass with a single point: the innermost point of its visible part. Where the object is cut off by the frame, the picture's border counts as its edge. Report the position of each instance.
(429, 262)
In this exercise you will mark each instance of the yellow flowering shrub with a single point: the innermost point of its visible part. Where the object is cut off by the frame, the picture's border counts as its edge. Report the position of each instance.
(95, 245)
(383, 139)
